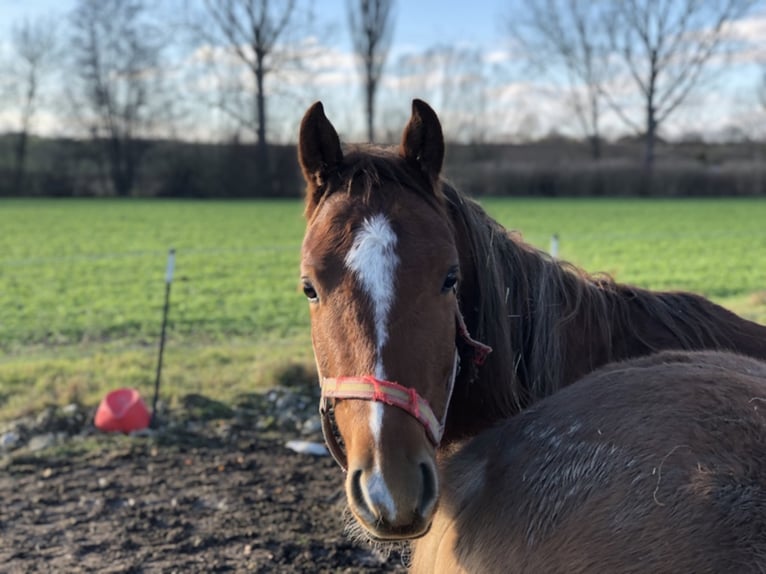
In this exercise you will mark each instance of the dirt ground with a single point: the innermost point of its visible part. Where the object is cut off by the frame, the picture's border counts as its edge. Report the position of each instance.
(144, 504)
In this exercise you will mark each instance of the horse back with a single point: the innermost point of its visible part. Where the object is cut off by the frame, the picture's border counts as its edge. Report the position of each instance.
(651, 465)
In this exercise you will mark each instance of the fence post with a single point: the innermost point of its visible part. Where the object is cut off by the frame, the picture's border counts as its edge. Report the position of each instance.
(554, 250)
(168, 281)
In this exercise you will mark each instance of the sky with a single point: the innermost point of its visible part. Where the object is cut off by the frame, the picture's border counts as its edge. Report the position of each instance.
(419, 23)
(512, 101)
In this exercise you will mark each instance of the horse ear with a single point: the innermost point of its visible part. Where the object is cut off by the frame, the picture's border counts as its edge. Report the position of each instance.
(422, 140)
(319, 151)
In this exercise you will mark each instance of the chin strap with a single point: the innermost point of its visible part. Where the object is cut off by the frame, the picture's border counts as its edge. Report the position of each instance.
(368, 387)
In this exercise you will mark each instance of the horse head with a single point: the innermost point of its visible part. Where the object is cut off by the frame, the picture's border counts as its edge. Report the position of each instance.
(380, 270)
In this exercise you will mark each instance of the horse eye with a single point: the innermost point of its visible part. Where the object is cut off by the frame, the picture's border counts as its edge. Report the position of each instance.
(309, 291)
(450, 283)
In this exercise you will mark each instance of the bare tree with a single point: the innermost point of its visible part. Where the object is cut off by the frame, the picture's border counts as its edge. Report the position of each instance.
(118, 85)
(371, 23)
(665, 48)
(251, 30)
(567, 36)
(34, 44)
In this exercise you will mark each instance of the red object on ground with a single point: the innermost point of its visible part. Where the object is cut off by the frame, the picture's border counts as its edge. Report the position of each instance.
(122, 410)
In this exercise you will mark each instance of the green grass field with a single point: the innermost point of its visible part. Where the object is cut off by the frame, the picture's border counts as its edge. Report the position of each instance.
(82, 283)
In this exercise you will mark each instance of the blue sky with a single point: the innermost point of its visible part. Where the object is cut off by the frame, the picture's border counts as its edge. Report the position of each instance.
(419, 23)
(514, 102)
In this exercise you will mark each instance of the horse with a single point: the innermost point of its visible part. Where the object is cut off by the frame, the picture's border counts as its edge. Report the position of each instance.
(655, 464)
(410, 286)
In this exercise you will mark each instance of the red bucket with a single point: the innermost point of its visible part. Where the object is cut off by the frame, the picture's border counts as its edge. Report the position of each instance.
(122, 410)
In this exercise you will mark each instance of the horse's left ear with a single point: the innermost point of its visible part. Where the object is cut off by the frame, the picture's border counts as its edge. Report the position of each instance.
(423, 141)
(319, 151)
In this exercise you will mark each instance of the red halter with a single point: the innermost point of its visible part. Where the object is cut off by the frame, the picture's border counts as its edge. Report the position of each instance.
(368, 387)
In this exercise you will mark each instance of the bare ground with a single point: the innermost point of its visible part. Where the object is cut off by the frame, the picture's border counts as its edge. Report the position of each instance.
(163, 504)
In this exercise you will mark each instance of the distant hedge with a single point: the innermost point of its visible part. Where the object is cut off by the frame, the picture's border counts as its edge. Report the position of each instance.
(613, 179)
(67, 168)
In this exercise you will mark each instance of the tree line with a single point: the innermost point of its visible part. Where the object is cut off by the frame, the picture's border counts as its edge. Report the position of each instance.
(119, 89)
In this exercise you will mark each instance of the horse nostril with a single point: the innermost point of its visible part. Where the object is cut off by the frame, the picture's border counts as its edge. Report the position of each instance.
(429, 492)
(357, 495)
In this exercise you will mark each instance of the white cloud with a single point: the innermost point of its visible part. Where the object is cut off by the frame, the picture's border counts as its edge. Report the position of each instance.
(750, 31)
(498, 56)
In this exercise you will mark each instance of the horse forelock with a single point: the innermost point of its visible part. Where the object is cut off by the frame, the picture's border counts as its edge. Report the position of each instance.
(373, 172)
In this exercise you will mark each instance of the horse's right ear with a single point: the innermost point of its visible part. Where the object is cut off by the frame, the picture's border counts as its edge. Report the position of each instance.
(319, 151)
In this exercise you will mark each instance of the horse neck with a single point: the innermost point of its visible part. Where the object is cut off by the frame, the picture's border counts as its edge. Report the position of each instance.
(569, 323)
(679, 320)
(560, 323)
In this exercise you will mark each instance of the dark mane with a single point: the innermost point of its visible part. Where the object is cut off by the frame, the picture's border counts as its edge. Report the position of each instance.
(562, 322)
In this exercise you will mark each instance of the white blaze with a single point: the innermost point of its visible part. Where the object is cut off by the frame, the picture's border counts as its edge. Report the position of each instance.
(373, 260)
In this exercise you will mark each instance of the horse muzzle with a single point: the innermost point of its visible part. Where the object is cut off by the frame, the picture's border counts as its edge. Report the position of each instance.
(394, 509)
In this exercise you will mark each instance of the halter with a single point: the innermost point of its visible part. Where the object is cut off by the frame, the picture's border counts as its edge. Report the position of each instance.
(368, 387)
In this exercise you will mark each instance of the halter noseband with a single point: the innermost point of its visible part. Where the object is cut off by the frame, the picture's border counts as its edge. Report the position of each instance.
(368, 387)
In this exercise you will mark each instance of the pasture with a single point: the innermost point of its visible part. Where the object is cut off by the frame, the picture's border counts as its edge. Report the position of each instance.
(82, 283)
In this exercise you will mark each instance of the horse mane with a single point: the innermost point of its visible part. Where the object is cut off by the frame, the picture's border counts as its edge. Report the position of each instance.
(543, 299)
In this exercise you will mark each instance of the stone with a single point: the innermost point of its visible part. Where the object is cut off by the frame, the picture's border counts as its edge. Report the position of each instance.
(10, 440)
(71, 410)
(307, 447)
(311, 425)
(41, 441)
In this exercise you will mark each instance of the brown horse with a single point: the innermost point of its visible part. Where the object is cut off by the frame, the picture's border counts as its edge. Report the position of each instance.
(399, 268)
(656, 464)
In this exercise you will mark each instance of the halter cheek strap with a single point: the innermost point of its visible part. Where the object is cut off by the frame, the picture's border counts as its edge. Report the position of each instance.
(370, 388)
(480, 350)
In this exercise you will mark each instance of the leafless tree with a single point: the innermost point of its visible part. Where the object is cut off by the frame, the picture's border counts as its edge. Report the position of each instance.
(371, 23)
(34, 44)
(665, 48)
(568, 36)
(117, 85)
(251, 30)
